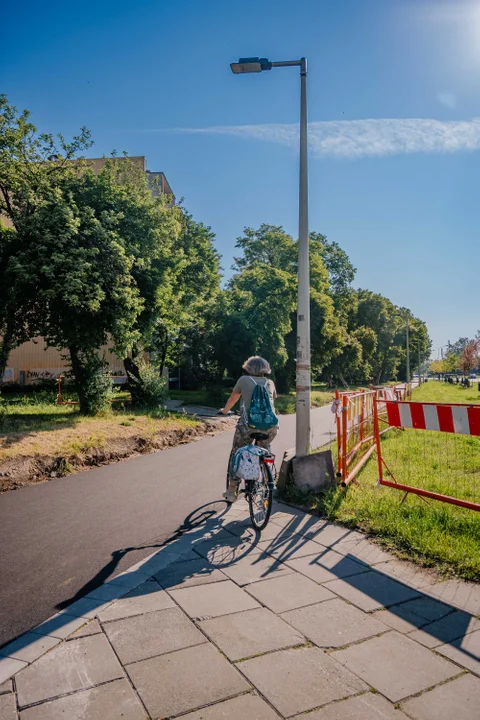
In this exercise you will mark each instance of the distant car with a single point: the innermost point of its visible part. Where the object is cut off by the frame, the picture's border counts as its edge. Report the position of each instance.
(473, 376)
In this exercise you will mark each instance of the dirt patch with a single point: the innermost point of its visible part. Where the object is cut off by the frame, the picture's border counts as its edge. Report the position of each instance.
(21, 470)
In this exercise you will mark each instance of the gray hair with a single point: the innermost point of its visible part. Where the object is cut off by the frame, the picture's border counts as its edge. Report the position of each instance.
(256, 365)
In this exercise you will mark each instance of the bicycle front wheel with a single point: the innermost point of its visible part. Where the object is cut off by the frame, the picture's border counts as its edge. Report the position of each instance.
(260, 498)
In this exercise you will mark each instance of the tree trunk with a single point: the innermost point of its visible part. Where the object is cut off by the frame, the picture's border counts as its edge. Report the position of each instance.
(6, 346)
(133, 373)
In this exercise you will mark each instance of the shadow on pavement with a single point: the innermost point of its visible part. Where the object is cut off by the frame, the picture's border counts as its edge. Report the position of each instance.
(216, 545)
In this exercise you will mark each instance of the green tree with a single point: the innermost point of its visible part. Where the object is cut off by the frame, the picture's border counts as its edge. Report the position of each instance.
(31, 164)
(260, 305)
(84, 280)
(451, 362)
(182, 324)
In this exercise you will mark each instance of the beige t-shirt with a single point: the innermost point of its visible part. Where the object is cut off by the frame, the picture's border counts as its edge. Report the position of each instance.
(245, 385)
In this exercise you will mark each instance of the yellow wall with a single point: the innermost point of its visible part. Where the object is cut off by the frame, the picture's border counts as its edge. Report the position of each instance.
(37, 361)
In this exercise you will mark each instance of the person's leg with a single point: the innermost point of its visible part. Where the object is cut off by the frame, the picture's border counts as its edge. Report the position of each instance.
(240, 439)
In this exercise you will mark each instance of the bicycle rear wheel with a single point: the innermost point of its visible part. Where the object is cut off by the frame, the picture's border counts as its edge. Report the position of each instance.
(260, 498)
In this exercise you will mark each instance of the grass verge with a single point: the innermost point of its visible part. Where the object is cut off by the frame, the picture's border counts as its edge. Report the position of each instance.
(435, 391)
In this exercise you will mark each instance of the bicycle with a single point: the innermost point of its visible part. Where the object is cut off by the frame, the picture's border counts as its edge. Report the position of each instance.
(259, 493)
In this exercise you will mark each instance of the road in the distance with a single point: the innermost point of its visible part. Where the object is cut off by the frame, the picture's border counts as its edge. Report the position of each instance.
(62, 538)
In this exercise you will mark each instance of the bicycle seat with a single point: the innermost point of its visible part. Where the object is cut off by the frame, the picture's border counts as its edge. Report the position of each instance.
(258, 436)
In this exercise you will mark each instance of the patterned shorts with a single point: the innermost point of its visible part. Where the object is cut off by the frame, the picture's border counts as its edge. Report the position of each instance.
(242, 437)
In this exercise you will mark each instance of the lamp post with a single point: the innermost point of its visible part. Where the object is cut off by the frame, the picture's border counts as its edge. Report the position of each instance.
(256, 65)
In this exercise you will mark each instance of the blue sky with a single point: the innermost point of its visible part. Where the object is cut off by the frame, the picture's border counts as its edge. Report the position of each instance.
(400, 197)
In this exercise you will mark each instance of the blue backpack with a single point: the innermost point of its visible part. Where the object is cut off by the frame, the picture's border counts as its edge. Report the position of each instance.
(261, 415)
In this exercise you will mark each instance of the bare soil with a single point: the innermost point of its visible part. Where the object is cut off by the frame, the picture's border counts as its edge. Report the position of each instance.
(19, 470)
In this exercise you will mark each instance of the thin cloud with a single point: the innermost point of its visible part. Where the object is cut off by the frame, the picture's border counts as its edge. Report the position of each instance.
(363, 138)
(448, 99)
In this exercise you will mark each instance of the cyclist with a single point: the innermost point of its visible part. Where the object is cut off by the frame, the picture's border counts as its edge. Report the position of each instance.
(256, 369)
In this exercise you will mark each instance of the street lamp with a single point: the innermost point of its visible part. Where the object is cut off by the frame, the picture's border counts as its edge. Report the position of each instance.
(256, 65)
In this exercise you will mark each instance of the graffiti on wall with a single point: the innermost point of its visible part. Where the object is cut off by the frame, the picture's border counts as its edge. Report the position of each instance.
(39, 374)
(8, 375)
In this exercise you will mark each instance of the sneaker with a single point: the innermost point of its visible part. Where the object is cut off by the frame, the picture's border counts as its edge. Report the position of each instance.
(231, 495)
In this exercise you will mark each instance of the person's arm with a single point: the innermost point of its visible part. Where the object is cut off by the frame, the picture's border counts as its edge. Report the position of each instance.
(234, 398)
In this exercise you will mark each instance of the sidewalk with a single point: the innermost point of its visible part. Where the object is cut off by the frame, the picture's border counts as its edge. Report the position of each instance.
(308, 621)
(200, 411)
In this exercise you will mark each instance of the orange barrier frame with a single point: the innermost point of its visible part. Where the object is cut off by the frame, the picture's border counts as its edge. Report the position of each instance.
(345, 472)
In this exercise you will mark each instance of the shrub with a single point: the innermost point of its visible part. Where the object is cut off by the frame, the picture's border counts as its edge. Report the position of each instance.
(150, 390)
(97, 392)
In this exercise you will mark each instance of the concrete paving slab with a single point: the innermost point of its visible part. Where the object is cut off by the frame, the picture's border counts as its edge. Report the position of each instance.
(220, 553)
(256, 566)
(249, 633)
(292, 547)
(206, 601)
(271, 532)
(189, 555)
(60, 625)
(240, 525)
(451, 627)
(408, 572)
(217, 533)
(130, 579)
(427, 608)
(107, 702)
(188, 574)
(87, 607)
(288, 592)
(76, 665)
(364, 550)
(330, 535)
(147, 598)
(9, 666)
(398, 619)
(6, 687)
(107, 591)
(296, 681)
(29, 646)
(8, 707)
(185, 680)
(463, 595)
(459, 699)
(328, 565)
(465, 651)
(245, 707)
(90, 628)
(369, 706)
(156, 633)
(334, 623)
(371, 591)
(301, 523)
(395, 665)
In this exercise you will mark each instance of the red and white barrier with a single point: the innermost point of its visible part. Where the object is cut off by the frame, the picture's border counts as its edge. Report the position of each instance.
(442, 417)
(459, 419)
